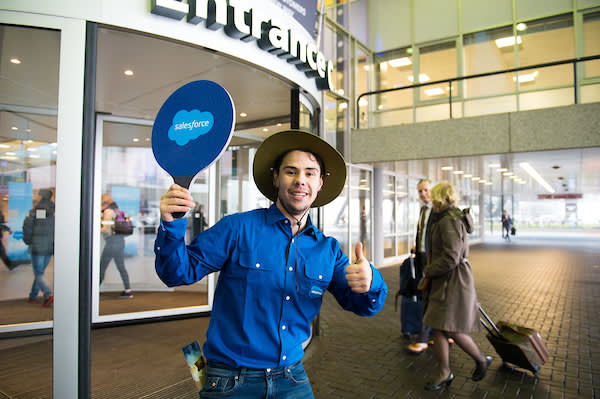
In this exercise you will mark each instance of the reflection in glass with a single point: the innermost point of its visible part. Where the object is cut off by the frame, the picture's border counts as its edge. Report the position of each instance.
(135, 182)
(360, 209)
(28, 137)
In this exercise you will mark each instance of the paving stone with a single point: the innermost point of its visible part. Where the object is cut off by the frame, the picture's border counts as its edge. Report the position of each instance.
(553, 289)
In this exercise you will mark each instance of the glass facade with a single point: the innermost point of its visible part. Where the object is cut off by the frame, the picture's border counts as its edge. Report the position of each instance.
(28, 163)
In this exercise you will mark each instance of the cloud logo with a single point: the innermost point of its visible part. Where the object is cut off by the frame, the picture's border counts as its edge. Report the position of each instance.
(190, 125)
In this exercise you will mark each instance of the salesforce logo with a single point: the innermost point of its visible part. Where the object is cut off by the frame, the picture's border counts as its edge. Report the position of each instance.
(188, 126)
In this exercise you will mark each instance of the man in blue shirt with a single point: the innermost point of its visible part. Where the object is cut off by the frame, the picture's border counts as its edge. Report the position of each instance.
(275, 266)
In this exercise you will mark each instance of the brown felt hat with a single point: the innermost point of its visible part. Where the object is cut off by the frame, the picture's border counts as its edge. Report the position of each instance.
(334, 176)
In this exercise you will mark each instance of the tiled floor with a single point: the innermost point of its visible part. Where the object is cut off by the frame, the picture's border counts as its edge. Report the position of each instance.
(550, 285)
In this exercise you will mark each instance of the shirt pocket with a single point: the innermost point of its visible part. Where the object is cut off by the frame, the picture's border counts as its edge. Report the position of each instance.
(249, 265)
(314, 278)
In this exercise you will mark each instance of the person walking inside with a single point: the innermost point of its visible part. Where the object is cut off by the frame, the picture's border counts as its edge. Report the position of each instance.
(420, 249)
(3, 255)
(452, 309)
(114, 245)
(38, 233)
(507, 223)
(275, 266)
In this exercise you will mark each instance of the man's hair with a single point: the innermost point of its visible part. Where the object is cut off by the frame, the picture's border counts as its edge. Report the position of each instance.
(423, 181)
(444, 194)
(279, 160)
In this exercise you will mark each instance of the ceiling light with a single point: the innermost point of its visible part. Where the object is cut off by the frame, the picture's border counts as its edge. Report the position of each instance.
(279, 124)
(467, 176)
(399, 62)
(363, 102)
(383, 66)
(343, 106)
(265, 129)
(488, 183)
(147, 138)
(521, 26)
(4, 146)
(494, 165)
(458, 172)
(135, 139)
(507, 174)
(128, 72)
(533, 173)
(243, 114)
(447, 168)
(32, 149)
(422, 78)
(10, 153)
(524, 78)
(508, 41)
(15, 61)
(380, 106)
(501, 170)
(34, 156)
(482, 181)
(436, 91)
(9, 158)
(14, 128)
(340, 92)
(475, 178)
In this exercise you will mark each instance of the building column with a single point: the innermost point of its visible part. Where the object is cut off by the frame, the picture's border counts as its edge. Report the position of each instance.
(377, 216)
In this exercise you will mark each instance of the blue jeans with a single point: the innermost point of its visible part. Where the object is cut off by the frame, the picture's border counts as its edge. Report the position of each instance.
(39, 263)
(289, 382)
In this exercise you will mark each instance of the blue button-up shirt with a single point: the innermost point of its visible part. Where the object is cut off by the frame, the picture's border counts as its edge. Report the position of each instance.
(270, 287)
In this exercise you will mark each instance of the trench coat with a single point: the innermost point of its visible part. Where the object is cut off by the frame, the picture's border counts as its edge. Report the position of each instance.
(451, 303)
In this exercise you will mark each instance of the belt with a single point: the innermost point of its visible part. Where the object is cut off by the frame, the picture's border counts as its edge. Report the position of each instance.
(253, 372)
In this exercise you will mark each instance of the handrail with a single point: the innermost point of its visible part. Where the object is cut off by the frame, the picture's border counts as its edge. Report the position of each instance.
(573, 61)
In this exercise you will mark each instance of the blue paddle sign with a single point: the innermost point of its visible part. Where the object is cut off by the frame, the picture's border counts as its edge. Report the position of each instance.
(192, 129)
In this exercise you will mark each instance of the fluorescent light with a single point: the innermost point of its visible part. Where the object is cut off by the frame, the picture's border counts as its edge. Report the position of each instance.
(4, 146)
(422, 78)
(494, 165)
(436, 91)
(380, 106)
(508, 41)
(128, 72)
(475, 178)
(507, 174)
(524, 78)
(447, 168)
(243, 114)
(467, 176)
(501, 170)
(363, 102)
(398, 62)
(458, 172)
(533, 173)
(521, 26)
(343, 106)
(15, 61)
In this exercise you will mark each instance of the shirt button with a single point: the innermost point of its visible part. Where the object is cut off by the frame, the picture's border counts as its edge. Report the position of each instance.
(158, 248)
(292, 240)
(320, 277)
(291, 268)
(284, 357)
(268, 370)
(258, 265)
(373, 300)
(286, 221)
(287, 298)
(283, 327)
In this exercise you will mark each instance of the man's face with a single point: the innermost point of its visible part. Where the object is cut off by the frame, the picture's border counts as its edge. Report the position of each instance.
(298, 182)
(424, 193)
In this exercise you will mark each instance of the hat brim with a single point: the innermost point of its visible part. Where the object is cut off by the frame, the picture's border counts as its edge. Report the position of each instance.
(334, 176)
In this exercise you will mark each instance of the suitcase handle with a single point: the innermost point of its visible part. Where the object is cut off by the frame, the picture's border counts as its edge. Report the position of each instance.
(489, 320)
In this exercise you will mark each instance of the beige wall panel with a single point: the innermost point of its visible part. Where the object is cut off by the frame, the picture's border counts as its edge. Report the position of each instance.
(574, 126)
(435, 19)
(459, 137)
(527, 9)
(390, 24)
(478, 15)
(581, 4)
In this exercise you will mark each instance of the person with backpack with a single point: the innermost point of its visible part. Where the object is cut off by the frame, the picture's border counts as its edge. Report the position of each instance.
(38, 234)
(114, 242)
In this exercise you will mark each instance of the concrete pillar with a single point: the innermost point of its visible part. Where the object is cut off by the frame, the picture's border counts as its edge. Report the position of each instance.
(377, 216)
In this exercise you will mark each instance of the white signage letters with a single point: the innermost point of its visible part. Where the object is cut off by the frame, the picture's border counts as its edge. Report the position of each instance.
(240, 21)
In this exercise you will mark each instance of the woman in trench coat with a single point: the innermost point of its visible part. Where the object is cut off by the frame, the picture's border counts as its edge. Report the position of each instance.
(451, 304)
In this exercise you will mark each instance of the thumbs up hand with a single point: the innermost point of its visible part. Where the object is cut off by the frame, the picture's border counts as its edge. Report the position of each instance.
(359, 275)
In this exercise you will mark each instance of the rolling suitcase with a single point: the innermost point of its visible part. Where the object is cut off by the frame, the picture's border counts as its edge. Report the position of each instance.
(520, 346)
(411, 305)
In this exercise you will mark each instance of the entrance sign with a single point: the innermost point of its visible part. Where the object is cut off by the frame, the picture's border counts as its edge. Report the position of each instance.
(192, 129)
(240, 21)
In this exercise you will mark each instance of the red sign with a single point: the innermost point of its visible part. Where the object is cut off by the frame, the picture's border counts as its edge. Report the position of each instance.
(560, 196)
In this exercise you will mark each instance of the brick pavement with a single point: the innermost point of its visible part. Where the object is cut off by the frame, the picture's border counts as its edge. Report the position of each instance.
(553, 287)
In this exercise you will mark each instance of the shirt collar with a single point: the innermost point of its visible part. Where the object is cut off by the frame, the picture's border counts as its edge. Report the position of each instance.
(274, 215)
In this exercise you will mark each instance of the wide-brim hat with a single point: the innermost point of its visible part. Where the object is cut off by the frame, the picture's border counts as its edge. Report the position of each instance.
(334, 176)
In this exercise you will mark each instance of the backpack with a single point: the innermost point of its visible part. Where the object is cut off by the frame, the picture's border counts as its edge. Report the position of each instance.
(123, 224)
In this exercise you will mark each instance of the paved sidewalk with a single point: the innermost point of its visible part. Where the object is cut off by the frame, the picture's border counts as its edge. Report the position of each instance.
(551, 287)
